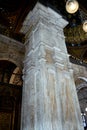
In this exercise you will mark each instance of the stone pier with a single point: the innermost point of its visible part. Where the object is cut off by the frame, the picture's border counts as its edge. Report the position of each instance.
(49, 100)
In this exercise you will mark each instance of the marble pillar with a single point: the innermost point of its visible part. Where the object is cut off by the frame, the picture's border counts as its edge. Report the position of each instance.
(49, 100)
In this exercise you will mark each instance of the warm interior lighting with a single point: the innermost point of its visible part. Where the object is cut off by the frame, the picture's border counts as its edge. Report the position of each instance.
(86, 109)
(72, 6)
(85, 26)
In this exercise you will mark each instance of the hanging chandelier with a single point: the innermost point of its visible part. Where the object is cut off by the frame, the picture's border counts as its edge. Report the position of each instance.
(72, 6)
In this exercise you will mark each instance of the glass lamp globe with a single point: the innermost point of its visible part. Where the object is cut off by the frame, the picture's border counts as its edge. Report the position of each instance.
(72, 6)
(85, 26)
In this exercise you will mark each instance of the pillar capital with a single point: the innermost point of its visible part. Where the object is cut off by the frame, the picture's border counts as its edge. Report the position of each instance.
(43, 15)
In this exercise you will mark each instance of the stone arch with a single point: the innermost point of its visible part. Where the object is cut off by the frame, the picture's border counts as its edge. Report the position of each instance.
(10, 73)
(10, 96)
(82, 96)
(11, 60)
(80, 86)
(11, 50)
(80, 79)
(80, 75)
(16, 77)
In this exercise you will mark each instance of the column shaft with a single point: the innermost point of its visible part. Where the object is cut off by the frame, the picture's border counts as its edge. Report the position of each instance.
(49, 97)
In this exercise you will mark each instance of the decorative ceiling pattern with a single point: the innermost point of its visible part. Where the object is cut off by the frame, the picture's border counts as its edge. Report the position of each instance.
(12, 14)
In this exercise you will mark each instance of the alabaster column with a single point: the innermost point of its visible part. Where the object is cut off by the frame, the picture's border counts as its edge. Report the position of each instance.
(49, 100)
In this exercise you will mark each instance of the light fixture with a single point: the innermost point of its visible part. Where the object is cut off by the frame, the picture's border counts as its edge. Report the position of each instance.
(85, 25)
(83, 17)
(72, 6)
(86, 109)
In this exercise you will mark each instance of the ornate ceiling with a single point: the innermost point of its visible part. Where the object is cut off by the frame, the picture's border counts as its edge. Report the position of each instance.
(13, 13)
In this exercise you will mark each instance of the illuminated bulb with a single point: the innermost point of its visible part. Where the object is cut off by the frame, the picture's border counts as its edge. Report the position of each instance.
(81, 114)
(84, 114)
(86, 109)
(72, 6)
(85, 26)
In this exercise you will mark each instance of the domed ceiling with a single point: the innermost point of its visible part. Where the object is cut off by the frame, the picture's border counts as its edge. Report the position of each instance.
(13, 13)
